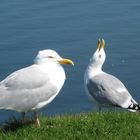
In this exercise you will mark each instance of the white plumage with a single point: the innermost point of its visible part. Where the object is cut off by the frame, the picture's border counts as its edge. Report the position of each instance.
(106, 89)
(33, 87)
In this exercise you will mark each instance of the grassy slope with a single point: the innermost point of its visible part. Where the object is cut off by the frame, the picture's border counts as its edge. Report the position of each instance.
(86, 126)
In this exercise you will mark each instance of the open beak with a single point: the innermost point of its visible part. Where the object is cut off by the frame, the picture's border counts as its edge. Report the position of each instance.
(99, 46)
(103, 43)
(66, 61)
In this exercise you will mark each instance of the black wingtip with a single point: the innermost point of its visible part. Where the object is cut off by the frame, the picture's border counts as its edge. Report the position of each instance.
(134, 107)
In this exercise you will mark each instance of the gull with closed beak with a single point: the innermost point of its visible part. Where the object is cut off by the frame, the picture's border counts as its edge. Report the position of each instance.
(33, 87)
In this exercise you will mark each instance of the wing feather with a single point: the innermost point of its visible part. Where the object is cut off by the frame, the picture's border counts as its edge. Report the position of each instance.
(24, 89)
(107, 89)
(27, 78)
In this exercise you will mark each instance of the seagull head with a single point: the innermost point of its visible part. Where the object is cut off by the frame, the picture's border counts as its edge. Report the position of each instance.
(49, 55)
(99, 56)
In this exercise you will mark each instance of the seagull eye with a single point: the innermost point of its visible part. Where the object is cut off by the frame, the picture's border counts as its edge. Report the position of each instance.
(50, 57)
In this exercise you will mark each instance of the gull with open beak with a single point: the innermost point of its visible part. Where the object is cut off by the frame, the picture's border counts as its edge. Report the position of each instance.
(106, 89)
(33, 87)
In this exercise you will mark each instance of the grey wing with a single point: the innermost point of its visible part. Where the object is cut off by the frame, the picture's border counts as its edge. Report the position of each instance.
(26, 78)
(25, 88)
(107, 89)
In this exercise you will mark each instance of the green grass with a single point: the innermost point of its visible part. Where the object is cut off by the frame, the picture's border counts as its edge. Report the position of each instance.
(85, 126)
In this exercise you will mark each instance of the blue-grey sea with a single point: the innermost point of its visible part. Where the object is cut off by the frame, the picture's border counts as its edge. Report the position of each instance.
(72, 28)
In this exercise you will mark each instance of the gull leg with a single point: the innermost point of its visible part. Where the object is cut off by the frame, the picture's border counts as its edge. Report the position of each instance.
(23, 115)
(112, 108)
(36, 119)
(115, 109)
(99, 108)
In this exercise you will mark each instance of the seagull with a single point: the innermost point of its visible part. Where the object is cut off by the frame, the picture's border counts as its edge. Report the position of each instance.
(35, 86)
(105, 89)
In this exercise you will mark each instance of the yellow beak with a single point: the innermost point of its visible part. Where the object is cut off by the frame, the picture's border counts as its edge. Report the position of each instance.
(103, 43)
(66, 61)
(99, 46)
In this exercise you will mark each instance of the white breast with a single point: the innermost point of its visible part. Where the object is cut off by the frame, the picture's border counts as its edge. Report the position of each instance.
(56, 74)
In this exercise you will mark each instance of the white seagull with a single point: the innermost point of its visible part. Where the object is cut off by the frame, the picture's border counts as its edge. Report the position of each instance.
(33, 87)
(105, 89)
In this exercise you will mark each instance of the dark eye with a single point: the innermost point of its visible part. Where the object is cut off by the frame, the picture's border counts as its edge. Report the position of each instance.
(50, 57)
(99, 55)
